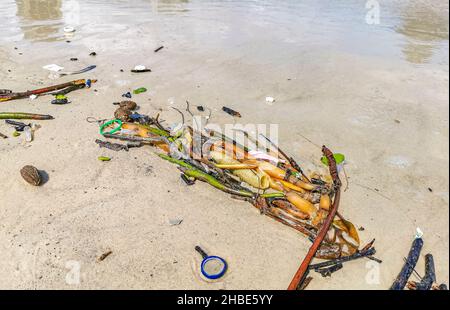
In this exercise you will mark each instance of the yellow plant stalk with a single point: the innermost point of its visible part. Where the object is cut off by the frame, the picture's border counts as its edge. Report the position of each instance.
(254, 178)
(281, 185)
(292, 186)
(275, 184)
(272, 170)
(302, 204)
(290, 208)
(280, 174)
(236, 166)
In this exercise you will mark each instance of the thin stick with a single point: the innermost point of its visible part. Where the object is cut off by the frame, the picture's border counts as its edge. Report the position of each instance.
(357, 255)
(182, 115)
(303, 269)
(42, 90)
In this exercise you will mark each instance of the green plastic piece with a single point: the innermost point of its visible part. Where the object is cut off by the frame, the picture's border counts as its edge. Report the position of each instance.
(118, 121)
(139, 90)
(104, 158)
(60, 97)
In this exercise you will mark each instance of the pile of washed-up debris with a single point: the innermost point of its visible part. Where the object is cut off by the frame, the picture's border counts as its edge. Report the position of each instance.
(269, 179)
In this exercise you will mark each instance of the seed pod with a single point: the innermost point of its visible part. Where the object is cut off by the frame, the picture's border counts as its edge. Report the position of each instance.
(302, 204)
(325, 202)
(31, 175)
(122, 114)
(289, 208)
(305, 185)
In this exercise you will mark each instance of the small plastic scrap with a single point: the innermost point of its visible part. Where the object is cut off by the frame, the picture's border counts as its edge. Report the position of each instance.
(139, 90)
(53, 68)
(270, 99)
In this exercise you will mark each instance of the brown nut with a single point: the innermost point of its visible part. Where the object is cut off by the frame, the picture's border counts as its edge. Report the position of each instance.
(31, 175)
(128, 105)
(122, 114)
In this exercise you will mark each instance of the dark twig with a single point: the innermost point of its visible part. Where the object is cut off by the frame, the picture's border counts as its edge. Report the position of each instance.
(345, 259)
(182, 115)
(327, 271)
(430, 275)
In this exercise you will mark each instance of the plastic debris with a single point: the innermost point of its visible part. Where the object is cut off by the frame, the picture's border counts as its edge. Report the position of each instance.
(28, 133)
(175, 222)
(140, 69)
(139, 90)
(270, 99)
(69, 29)
(53, 68)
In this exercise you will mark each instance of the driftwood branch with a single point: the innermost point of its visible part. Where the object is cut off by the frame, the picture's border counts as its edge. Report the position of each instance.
(409, 265)
(301, 273)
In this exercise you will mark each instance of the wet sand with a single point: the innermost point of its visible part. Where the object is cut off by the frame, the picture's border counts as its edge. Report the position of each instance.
(377, 93)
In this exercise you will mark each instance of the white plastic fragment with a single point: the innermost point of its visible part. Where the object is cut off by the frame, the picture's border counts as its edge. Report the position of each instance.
(32, 97)
(270, 99)
(69, 29)
(140, 68)
(175, 222)
(419, 233)
(28, 134)
(53, 67)
(262, 155)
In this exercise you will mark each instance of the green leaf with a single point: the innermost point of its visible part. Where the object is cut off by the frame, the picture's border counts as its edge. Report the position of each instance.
(339, 158)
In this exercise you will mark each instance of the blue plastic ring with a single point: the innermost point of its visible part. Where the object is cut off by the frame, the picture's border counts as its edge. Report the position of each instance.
(215, 276)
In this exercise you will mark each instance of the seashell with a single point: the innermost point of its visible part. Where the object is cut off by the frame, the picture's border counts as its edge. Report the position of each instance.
(122, 114)
(31, 175)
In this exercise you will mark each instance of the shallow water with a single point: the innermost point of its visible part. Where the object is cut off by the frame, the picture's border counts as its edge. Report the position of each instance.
(411, 31)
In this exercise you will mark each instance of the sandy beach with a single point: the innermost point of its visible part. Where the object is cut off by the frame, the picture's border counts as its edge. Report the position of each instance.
(377, 93)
